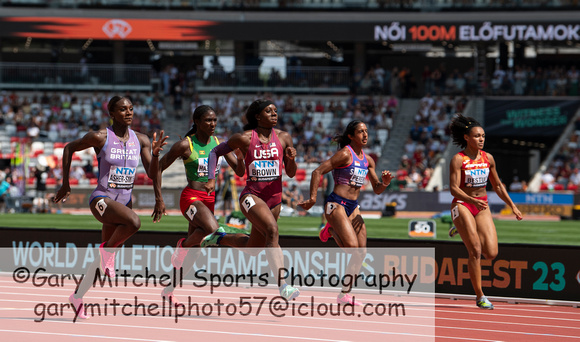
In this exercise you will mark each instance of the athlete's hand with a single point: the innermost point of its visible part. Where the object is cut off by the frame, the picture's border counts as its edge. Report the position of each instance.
(239, 154)
(290, 153)
(209, 186)
(386, 177)
(309, 203)
(158, 211)
(517, 212)
(479, 204)
(62, 193)
(156, 145)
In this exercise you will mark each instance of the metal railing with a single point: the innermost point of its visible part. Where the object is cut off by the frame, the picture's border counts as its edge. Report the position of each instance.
(75, 76)
(292, 79)
(421, 5)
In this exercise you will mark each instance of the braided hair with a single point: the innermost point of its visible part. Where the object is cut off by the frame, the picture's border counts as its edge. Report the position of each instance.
(343, 139)
(197, 114)
(459, 126)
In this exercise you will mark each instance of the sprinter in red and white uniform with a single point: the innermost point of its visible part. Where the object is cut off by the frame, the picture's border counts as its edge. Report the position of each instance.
(470, 170)
(265, 149)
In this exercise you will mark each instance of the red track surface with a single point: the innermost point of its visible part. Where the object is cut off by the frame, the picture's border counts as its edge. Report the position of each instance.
(426, 318)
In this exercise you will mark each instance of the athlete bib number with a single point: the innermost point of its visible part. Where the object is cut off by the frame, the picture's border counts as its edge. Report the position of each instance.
(121, 177)
(248, 203)
(476, 177)
(203, 169)
(264, 170)
(357, 176)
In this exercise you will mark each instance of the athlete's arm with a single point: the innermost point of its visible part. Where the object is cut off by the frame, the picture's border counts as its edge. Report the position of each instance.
(91, 139)
(235, 160)
(340, 158)
(378, 185)
(500, 189)
(151, 165)
(241, 141)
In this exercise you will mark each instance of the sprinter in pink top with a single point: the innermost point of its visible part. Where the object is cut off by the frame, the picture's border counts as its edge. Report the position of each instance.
(118, 150)
(265, 149)
(350, 167)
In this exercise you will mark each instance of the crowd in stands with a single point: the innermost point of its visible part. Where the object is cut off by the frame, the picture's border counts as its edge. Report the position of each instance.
(427, 140)
(313, 124)
(524, 80)
(555, 80)
(563, 173)
(40, 124)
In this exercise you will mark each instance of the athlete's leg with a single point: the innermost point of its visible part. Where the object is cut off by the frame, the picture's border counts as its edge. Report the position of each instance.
(201, 223)
(264, 230)
(119, 221)
(350, 234)
(467, 228)
(487, 234)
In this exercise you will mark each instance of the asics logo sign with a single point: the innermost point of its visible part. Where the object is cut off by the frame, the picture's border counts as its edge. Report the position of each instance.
(117, 28)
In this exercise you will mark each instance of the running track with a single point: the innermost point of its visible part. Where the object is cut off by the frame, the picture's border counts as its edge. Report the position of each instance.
(426, 319)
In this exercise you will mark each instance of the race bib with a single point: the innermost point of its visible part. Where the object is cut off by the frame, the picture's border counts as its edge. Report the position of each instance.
(357, 177)
(121, 177)
(203, 169)
(248, 203)
(264, 170)
(476, 178)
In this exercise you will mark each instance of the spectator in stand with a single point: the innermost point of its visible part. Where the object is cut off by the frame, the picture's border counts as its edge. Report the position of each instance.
(292, 196)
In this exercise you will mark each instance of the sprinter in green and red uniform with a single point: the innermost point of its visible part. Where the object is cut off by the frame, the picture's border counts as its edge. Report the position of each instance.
(196, 204)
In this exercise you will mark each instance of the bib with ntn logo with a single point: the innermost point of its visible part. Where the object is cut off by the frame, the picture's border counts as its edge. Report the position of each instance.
(474, 173)
(353, 174)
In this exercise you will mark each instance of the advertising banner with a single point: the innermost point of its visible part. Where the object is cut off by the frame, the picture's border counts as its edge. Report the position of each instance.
(520, 271)
(191, 30)
(545, 118)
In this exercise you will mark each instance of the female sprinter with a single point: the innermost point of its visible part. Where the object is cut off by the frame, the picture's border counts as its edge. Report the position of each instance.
(265, 149)
(469, 172)
(196, 204)
(118, 149)
(350, 166)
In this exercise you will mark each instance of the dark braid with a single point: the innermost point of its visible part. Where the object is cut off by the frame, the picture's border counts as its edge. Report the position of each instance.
(459, 126)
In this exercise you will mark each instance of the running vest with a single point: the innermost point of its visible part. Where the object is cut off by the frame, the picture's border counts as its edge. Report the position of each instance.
(264, 164)
(353, 174)
(474, 173)
(117, 167)
(196, 166)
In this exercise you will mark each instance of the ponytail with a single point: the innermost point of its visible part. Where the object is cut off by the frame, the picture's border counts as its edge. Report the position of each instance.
(343, 139)
(459, 126)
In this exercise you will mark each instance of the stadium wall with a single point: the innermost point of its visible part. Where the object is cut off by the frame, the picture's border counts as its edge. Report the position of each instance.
(519, 271)
(529, 203)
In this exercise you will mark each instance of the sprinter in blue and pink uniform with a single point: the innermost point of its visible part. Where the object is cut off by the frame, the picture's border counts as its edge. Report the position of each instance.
(469, 172)
(350, 167)
(118, 150)
(266, 150)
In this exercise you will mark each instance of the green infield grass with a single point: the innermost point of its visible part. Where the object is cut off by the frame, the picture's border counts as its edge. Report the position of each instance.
(526, 231)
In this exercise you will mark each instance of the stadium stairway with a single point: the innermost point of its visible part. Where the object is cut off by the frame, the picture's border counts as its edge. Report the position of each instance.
(395, 146)
(174, 176)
